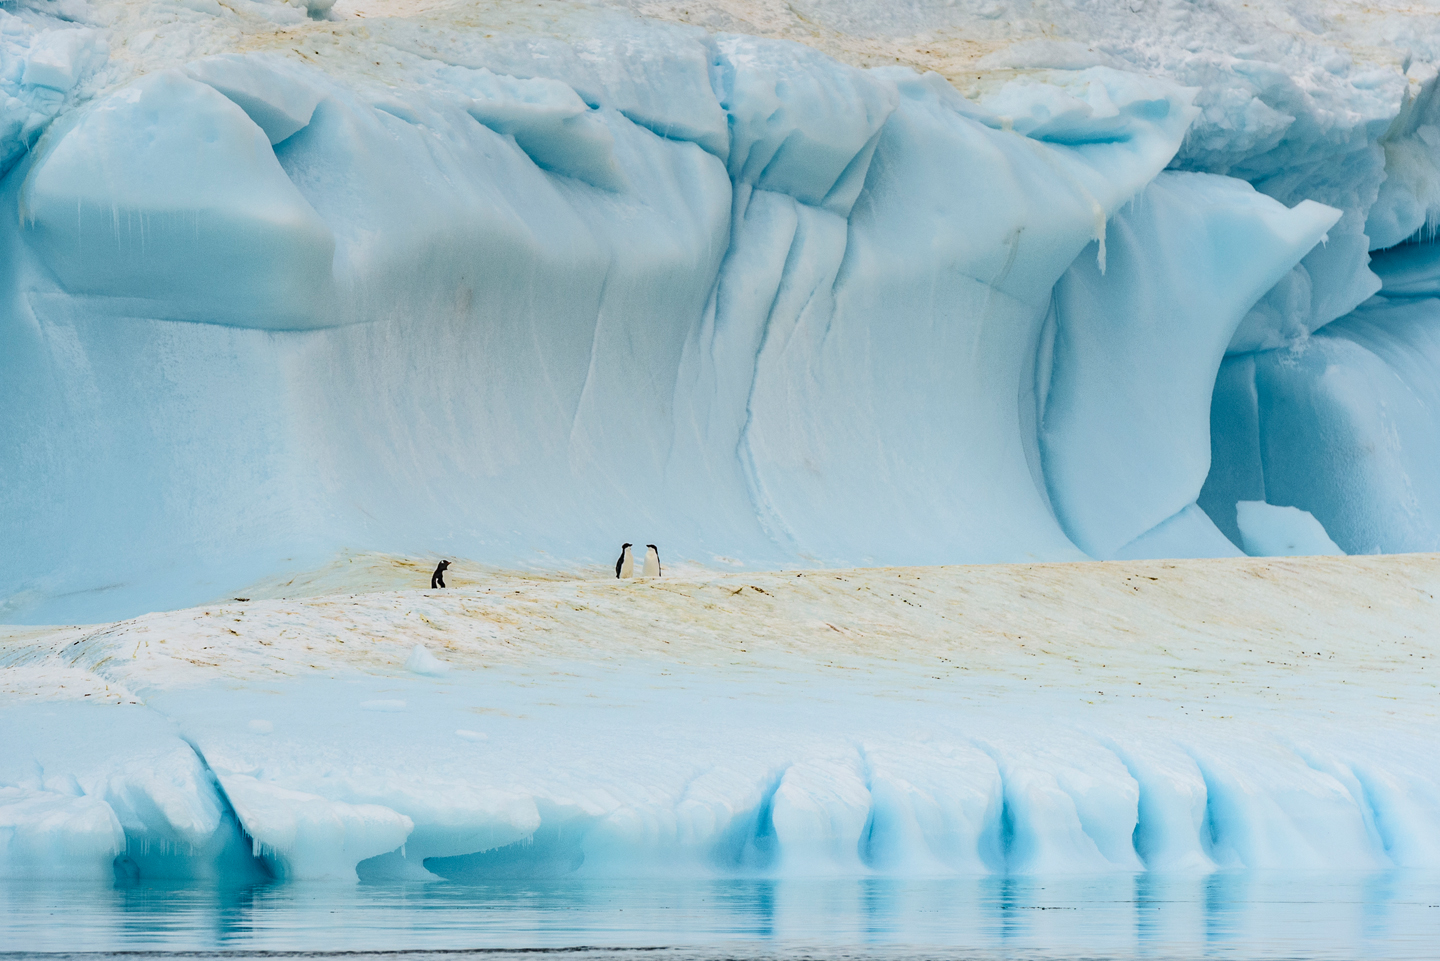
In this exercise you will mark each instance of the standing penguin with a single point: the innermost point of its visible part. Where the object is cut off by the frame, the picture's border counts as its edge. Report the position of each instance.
(438, 578)
(652, 561)
(625, 566)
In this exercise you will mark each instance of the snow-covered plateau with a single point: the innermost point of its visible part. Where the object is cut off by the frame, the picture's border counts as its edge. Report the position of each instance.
(1175, 717)
(808, 284)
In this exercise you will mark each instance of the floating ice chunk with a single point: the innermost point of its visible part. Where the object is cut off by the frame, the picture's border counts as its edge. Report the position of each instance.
(168, 194)
(277, 96)
(384, 706)
(1270, 530)
(422, 661)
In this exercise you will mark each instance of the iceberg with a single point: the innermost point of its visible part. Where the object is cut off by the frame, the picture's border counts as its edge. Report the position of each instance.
(1133, 717)
(289, 282)
(283, 286)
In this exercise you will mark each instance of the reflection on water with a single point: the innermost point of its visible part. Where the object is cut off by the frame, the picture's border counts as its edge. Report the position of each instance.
(1390, 915)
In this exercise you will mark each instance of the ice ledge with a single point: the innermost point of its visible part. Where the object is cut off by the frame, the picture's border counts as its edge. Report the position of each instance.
(1170, 717)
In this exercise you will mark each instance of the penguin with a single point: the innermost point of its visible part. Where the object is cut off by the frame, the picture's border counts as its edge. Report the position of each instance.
(625, 566)
(652, 560)
(438, 578)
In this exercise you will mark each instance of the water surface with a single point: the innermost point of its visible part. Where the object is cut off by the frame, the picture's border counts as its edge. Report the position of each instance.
(1390, 915)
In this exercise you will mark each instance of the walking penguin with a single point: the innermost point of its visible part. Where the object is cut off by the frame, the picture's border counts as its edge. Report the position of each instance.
(652, 561)
(438, 578)
(625, 566)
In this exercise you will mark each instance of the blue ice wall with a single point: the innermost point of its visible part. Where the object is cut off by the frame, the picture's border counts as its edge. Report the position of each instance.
(1344, 424)
(715, 292)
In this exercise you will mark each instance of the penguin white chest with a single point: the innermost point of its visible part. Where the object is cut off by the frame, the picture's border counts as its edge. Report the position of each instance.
(652, 562)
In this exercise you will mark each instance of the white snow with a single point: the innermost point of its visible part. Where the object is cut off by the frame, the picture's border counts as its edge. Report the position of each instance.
(1164, 716)
(422, 661)
(58, 58)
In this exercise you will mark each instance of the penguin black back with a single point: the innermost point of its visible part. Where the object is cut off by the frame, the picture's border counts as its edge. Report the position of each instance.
(438, 578)
(620, 562)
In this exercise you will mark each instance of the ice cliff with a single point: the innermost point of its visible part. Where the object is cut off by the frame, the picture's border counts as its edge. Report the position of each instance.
(279, 280)
(1177, 717)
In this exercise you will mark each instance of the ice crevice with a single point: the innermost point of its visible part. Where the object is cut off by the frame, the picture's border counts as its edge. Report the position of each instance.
(566, 323)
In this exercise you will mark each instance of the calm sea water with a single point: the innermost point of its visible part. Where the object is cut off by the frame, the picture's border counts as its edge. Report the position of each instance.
(1390, 915)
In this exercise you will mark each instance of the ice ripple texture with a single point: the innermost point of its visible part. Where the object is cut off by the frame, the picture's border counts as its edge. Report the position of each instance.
(644, 789)
(1152, 716)
(402, 285)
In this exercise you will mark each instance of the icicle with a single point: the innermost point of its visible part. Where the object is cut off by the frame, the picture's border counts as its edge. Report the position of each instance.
(1099, 234)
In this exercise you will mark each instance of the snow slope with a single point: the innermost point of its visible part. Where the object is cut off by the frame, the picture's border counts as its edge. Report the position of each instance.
(521, 281)
(1160, 716)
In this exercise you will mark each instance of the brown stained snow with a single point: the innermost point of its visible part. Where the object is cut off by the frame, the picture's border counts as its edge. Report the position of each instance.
(1192, 633)
(364, 37)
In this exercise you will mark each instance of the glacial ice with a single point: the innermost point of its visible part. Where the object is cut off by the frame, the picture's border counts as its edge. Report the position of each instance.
(1171, 717)
(117, 208)
(402, 284)
(277, 282)
(1270, 531)
(1177, 281)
